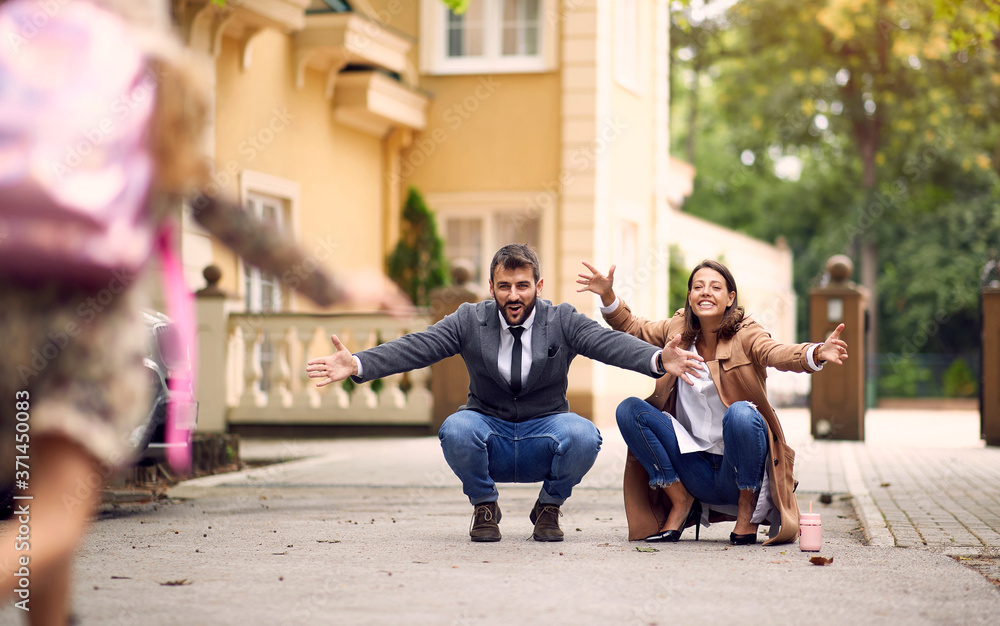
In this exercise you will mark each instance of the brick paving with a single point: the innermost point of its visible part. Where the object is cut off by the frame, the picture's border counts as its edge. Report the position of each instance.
(931, 481)
(920, 480)
(942, 498)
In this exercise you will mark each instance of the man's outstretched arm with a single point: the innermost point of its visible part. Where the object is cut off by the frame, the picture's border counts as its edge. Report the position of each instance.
(333, 368)
(409, 352)
(621, 350)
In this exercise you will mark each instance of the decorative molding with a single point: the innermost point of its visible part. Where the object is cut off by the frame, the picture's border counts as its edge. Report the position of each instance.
(330, 41)
(374, 103)
(246, 49)
(203, 23)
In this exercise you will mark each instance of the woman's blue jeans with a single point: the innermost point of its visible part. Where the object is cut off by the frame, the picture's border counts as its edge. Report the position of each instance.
(711, 478)
(556, 450)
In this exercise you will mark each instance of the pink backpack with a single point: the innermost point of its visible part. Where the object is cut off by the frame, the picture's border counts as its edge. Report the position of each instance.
(76, 99)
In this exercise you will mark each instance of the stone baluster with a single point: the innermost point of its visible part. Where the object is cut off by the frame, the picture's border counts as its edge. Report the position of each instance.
(306, 395)
(419, 397)
(279, 396)
(252, 374)
(363, 397)
(334, 396)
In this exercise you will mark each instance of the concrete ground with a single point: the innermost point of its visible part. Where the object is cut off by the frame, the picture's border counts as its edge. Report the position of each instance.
(375, 531)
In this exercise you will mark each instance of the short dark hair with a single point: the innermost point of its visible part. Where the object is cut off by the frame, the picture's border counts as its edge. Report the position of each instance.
(514, 256)
(731, 318)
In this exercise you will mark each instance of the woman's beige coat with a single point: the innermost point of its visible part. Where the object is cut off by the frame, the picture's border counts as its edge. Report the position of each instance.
(739, 372)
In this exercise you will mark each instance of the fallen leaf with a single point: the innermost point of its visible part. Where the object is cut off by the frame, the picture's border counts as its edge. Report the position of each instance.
(646, 549)
(820, 560)
(176, 583)
(885, 484)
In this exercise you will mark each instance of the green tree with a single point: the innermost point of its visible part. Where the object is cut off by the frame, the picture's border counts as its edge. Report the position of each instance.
(893, 125)
(417, 264)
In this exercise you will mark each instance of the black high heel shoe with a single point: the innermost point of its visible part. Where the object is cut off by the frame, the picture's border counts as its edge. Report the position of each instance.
(742, 540)
(694, 517)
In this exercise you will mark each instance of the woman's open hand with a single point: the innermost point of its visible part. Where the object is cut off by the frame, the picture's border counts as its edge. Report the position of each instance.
(834, 349)
(598, 283)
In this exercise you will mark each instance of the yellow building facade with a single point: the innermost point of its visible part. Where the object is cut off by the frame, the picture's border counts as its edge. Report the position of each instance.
(537, 121)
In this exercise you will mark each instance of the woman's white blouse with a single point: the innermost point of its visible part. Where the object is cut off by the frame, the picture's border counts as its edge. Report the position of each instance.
(698, 423)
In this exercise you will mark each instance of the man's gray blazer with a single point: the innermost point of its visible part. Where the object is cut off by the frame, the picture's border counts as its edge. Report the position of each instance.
(558, 334)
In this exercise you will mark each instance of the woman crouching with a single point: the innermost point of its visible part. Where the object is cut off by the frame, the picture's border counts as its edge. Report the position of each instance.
(708, 443)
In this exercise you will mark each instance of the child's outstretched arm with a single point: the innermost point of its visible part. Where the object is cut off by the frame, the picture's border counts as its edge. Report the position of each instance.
(280, 256)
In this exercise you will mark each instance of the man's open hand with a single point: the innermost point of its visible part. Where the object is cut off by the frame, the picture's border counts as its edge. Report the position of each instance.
(333, 368)
(681, 363)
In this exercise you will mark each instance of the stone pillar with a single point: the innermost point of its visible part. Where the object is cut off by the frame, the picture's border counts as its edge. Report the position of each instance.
(990, 381)
(837, 401)
(212, 306)
(450, 377)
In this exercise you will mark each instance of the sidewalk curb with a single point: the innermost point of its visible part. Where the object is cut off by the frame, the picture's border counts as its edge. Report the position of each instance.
(872, 521)
(254, 474)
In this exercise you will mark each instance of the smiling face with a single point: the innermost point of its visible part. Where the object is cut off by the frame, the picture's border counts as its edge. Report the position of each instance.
(515, 291)
(709, 296)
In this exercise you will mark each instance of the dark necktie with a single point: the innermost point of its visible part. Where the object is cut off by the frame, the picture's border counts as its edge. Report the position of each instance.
(515, 360)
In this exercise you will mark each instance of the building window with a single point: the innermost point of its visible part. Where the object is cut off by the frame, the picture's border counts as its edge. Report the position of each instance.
(464, 241)
(262, 292)
(491, 36)
(520, 28)
(465, 32)
(476, 239)
(275, 202)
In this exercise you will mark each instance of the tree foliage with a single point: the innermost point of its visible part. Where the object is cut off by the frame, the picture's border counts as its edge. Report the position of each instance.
(417, 264)
(846, 124)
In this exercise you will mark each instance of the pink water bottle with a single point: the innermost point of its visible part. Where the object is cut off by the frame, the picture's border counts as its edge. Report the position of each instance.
(810, 531)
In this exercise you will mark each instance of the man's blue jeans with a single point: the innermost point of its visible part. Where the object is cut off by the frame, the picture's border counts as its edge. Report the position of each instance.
(482, 450)
(711, 478)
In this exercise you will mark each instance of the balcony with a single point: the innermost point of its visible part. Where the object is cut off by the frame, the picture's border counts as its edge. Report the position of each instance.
(374, 103)
(330, 42)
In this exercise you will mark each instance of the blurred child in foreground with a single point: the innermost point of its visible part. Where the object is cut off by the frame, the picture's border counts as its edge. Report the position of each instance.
(86, 398)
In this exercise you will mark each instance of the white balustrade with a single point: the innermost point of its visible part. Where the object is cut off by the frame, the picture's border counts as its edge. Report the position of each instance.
(292, 397)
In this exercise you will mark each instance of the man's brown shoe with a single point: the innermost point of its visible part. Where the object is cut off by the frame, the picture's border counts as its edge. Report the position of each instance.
(485, 522)
(545, 517)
